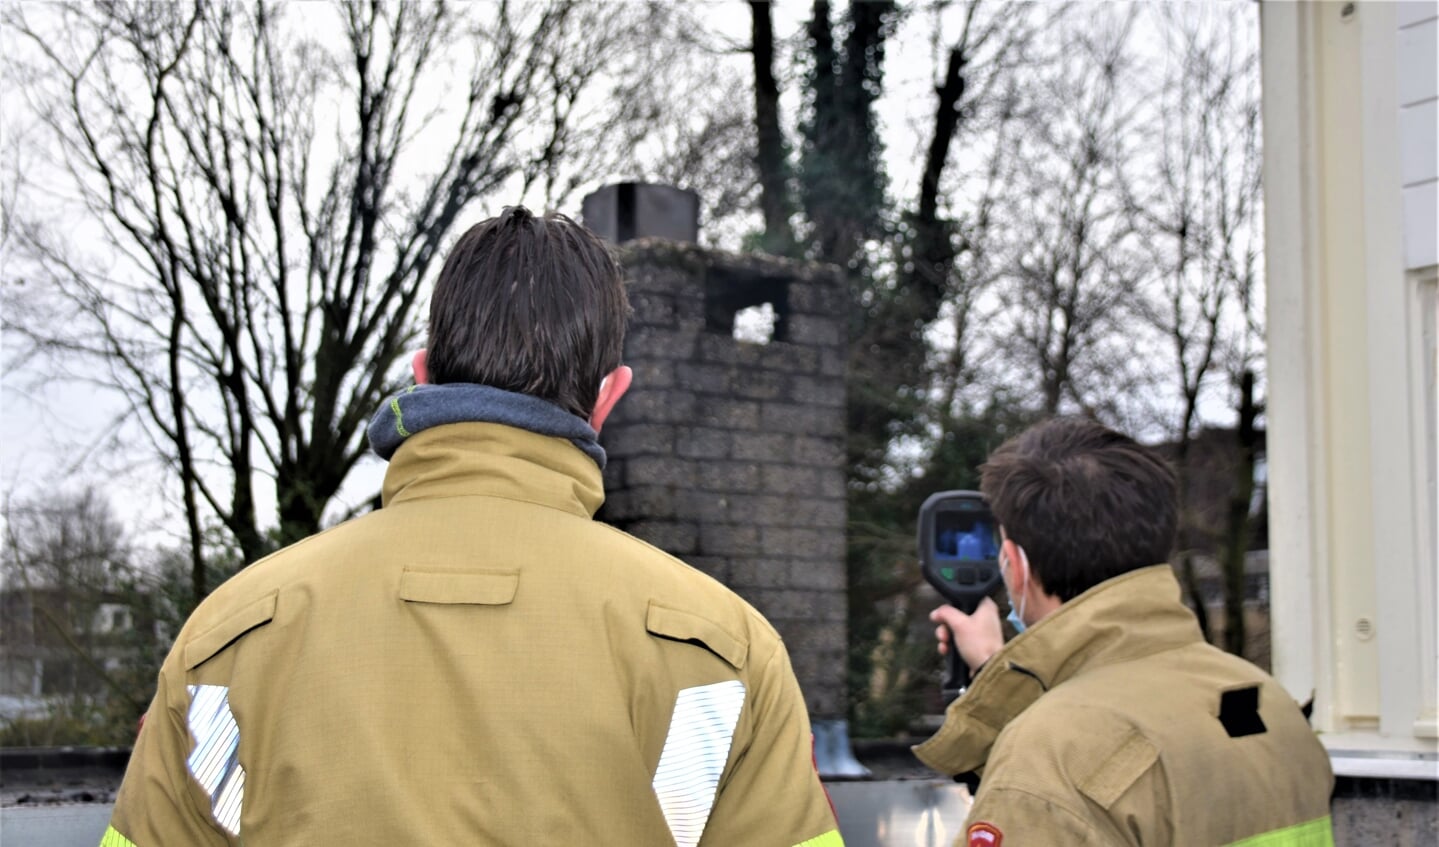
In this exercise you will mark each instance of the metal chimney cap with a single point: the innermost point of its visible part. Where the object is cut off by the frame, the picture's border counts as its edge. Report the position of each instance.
(626, 211)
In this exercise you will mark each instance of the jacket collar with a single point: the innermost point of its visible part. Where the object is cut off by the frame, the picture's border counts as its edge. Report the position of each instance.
(1130, 616)
(494, 460)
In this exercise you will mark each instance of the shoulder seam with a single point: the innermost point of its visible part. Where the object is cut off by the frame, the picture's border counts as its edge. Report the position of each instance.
(1046, 798)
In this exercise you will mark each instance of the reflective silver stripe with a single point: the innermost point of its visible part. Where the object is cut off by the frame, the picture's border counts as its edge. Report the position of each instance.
(695, 751)
(215, 761)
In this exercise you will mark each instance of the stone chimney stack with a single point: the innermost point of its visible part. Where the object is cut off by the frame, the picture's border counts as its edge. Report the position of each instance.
(728, 451)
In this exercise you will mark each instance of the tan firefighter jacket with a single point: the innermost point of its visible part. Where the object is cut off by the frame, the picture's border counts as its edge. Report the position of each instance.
(1112, 722)
(477, 663)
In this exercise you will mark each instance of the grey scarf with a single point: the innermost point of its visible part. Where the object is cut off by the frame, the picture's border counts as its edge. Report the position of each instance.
(423, 406)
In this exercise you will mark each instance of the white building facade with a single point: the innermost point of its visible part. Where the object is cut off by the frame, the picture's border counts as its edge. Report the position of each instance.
(1351, 106)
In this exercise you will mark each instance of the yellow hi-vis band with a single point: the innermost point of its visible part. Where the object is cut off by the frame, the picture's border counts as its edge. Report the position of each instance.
(829, 839)
(112, 838)
(1315, 833)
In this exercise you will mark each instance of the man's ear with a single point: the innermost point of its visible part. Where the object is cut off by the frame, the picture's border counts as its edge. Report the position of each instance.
(421, 366)
(612, 389)
(1016, 568)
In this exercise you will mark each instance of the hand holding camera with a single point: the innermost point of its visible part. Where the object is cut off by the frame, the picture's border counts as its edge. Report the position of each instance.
(978, 636)
(959, 555)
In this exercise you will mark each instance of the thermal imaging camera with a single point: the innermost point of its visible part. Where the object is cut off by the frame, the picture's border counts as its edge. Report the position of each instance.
(959, 555)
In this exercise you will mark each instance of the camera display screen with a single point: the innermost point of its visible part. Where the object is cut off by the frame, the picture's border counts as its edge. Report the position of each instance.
(965, 536)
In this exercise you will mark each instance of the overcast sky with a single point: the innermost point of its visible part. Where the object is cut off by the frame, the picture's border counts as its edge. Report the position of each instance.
(53, 434)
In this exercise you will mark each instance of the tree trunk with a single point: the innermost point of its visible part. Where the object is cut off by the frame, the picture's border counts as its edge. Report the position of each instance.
(1237, 536)
(186, 471)
(770, 157)
(1186, 558)
(934, 248)
(820, 155)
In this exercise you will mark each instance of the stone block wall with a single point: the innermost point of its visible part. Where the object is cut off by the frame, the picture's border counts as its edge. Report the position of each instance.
(730, 454)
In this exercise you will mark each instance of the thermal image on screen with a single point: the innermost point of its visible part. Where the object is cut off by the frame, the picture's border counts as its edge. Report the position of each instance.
(965, 536)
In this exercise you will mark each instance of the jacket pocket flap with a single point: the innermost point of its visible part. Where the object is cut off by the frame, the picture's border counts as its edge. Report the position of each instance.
(203, 647)
(683, 626)
(1114, 776)
(463, 588)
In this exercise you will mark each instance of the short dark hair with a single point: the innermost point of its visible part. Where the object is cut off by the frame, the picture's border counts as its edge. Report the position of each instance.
(532, 305)
(1085, 502)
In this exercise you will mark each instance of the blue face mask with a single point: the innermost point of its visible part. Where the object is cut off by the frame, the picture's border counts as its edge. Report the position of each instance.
(1015, 617)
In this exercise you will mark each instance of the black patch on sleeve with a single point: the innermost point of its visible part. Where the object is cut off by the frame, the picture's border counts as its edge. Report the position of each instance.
(1239, 712)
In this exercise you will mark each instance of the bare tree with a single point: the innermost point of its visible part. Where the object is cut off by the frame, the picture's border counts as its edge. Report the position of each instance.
(714, 157)
(269, 186)
(704, 142)
(953, 239)
(1201, 206)
(620, 75)
(63, 542)
(974, 86)
(1198, 200)
(67, 569)
(1075, 266)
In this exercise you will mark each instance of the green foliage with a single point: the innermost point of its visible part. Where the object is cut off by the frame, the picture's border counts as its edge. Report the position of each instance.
(841, 176)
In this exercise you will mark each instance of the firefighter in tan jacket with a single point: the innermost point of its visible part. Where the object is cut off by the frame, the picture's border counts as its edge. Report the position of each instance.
(1109, 720)
(480, 662)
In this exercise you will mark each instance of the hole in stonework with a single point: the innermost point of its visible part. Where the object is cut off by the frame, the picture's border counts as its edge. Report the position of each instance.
(755, 324)
(748, 307)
